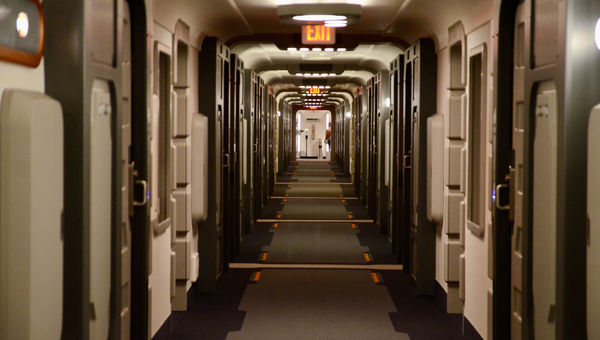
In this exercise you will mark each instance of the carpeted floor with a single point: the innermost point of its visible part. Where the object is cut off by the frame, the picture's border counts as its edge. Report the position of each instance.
(316, 304)
(313, 303)
(312, 243)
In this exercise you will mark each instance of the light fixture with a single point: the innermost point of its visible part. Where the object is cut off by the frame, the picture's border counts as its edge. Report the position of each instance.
(300, 13)
(329, 49)
(348, 114)
(323, 74)
(332, 74)
(278, 113)
(299, 74)
(307, 74)
(304, 49)
(292, 49)
(22, 24)
(336, 23)
(317, 49)
(598, 34)
(319, 17)
(388, 102)
(341, 49)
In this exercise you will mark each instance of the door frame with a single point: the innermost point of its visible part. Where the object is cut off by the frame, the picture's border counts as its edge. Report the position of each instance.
(141, 99)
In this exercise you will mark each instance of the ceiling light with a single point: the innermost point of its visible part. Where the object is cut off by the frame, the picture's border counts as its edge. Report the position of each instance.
(315, 74)
(319, 17)
(317, 49)
(329, 49)
(341, 49)
(303, 11)
(348, 114)
(298, 74)
(278, 113)
(292, 49)
(321, 87)
(327, 87)
(307, 74)
(388, 102)
(340, 23)
(22, 24)
(598, 34)
(304, 49)
(332, 74)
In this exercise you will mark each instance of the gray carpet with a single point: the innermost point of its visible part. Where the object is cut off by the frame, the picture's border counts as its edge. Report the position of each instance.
(312, 190)
(314, 210)
(316, 304)
(315, 243)
(299, 177)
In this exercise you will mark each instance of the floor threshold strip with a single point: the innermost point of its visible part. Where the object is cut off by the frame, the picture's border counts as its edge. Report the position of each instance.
(314, 198)
(314, 183)
(273, 220)
(328, 174)
(380, 267)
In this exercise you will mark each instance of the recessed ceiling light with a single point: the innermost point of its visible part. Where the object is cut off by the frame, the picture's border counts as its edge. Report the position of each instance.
(304, 49)
(22, 24)
(341, 49)
(307, 74)
(340, 23)
(323, 74)
(319, 17)
(315, 74)
(317, 49)
(332, 74)
(292, 49)
(321, 87)
(598, 34)
(327, 87)
(329, 49)
(298, 74)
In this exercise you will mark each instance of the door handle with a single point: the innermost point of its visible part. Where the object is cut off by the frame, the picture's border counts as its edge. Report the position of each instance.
(144, 185)
(510, 185)
(405, 161)
(499, 188)
(226, 160)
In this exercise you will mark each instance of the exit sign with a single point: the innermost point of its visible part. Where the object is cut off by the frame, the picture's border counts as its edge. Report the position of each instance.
(318, 35)
(314, 91)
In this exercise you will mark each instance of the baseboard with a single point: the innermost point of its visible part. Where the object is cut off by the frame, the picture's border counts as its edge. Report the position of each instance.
(470, 331)
(440, 296)
(164, 332)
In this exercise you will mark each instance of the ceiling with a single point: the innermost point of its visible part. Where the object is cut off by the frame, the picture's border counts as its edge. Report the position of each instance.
(404, 19)
(373, 57)
(399, 20)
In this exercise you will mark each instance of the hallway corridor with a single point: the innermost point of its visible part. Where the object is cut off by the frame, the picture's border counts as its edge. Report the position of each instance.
(314, 267)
